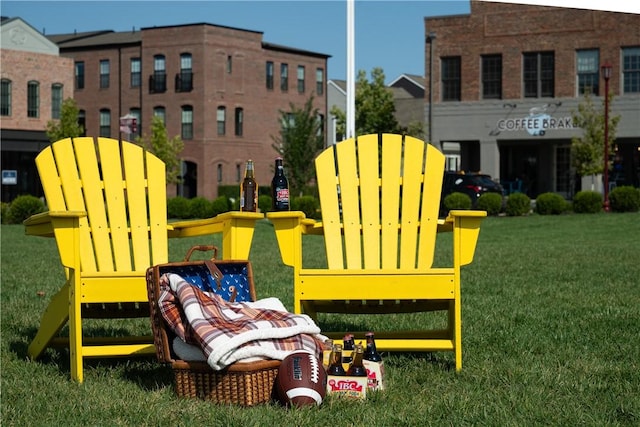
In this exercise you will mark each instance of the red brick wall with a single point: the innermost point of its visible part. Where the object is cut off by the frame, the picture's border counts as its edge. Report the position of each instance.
(243, 88)
(511, 30)
(22, 67)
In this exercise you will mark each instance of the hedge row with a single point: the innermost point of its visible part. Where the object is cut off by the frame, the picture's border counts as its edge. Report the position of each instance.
(621, 199)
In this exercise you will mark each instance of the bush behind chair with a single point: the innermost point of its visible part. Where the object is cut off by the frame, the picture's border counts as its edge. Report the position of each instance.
(518, 204)
(490, 202)
(587, 202)
(625, 199)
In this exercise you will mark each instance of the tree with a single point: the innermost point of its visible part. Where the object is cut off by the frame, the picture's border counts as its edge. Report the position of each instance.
(300, 140)
(587, 151)
(164, 148)
(67, 126)
(374, 106)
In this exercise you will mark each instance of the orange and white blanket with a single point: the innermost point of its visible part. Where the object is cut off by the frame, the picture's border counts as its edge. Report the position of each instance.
(231, 332)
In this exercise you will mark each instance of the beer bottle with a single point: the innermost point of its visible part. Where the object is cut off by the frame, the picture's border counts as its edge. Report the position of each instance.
(280, 188)
(336, 368)
(348, 347)
(371, 352)
(249, 190)
(357, 369)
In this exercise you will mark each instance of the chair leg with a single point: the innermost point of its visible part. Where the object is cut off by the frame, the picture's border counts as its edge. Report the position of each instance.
(455, 319)
(75, 334)
(53, 319)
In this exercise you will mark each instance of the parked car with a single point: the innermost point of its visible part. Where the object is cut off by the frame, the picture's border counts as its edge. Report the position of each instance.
(472, 184)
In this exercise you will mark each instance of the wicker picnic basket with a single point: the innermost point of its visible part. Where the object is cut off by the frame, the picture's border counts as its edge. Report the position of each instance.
(245, 384)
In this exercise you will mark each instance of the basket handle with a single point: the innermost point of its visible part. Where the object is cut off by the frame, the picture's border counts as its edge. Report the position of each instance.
(203, 248)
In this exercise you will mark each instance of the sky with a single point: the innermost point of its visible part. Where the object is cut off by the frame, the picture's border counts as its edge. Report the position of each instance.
(388, 34)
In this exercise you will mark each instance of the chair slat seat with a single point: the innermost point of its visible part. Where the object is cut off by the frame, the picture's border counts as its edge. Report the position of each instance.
(108, 214)
(380, 199)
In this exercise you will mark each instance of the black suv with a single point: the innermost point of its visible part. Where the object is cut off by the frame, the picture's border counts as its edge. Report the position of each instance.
(472, 184)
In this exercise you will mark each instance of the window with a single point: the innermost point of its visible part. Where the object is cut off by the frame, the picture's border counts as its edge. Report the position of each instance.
(80, 75)
(33, 99)
(161, 113)
(222, 112)
(82, 122)
(239, 117)
(538, 74)
(105, 122)
(301, 78)
(5, 97)
(238, 175)
(56, 100)
(229, 64)
(320, 119)
(319, 81)
(631, 69)
(219, 172)
(269, 75)
(492, 77)
(136, 77)
(284, 77)
(184, 80)
(587, 68)
(158, 81)
(187, 122)
(451, 86)
(104, 74)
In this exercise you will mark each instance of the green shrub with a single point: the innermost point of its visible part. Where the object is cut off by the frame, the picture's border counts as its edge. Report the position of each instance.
(22, 207)
(587, 202)
(178, 207)
(490, 202)
(625, 199)
(457, 200)
(264, 203)
(307, 204)
(199, 207)
(220, 205)
(4, 212)
(550, 204)
(518, 204)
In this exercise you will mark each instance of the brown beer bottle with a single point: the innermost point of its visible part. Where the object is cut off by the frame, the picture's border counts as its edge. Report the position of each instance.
(371, 352)
(335, 367)
(280, 188)
(357, 369)
(348, 347)
(249, 190)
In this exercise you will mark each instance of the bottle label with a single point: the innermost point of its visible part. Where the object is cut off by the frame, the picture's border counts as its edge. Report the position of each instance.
(282, 195)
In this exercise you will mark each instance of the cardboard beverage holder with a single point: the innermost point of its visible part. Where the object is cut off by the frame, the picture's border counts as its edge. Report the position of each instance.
(354, 387)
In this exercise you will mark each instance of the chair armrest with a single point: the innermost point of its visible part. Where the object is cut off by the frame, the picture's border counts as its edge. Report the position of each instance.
(42, 224)
(289, 227)
(466, 228)
(236, 229)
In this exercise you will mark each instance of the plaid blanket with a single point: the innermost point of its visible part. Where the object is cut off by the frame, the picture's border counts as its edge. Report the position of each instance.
(230, 332)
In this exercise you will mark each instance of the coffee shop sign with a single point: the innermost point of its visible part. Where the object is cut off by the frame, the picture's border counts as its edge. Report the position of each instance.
(536, 124)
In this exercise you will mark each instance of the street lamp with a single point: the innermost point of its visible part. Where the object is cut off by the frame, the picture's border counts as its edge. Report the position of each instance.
(430, 40)
(606, 73)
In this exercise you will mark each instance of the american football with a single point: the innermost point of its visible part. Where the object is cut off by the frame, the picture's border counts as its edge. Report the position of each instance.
(301, 380)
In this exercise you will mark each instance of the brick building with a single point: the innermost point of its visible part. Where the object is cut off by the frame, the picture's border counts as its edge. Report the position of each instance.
(220, 88)
(35, 80)
(506, 79)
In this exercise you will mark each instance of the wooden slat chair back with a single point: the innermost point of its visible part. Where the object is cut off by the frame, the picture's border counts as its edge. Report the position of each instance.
(108, 213)
(380, 198)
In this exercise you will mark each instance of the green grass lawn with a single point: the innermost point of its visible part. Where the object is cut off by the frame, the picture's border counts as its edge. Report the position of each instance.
(551, 336)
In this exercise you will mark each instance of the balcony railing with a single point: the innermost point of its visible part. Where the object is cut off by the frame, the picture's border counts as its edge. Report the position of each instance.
(184, 81)
(158, 82)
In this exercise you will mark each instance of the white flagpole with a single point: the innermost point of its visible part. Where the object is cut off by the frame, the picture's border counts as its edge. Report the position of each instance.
(351, 84)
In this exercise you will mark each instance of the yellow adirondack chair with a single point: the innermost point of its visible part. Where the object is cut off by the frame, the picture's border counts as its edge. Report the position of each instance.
(380, 197)
(108, 214)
